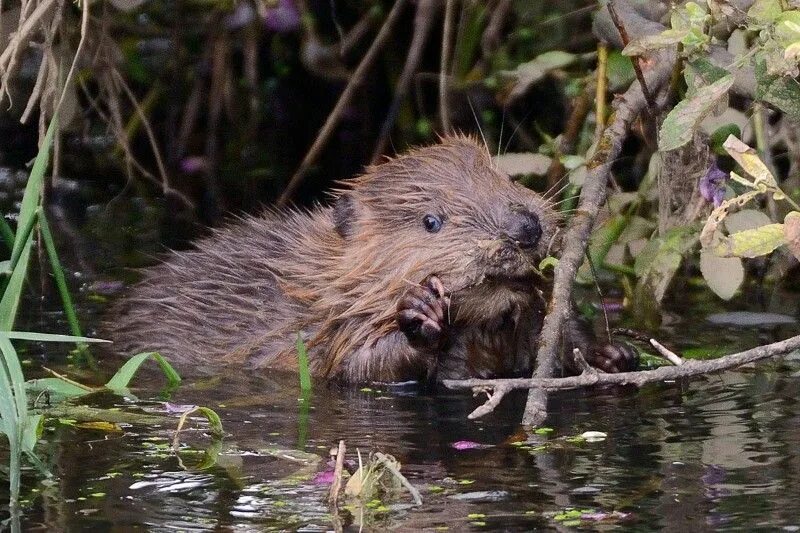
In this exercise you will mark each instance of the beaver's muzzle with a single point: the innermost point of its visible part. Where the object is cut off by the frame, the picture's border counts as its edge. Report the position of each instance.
(525, 229)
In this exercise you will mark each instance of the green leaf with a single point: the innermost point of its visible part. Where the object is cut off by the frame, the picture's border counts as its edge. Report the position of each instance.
(49, 337)
(700, 72)
(22, 242)
(31, 431)
(648, 43)
(302, 365)
(751, 242)
(59, 387)
(125, 374)
(682, 122)
(530, 73)
(33, 189)
(717, 138)
(657, 263)
(58, 274)
(764, 12)
(780, 91)
(10, 300)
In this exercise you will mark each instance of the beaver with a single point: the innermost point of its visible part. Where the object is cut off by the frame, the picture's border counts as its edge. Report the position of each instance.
(422, 268)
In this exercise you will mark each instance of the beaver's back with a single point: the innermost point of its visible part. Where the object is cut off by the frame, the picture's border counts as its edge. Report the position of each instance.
(223, 299)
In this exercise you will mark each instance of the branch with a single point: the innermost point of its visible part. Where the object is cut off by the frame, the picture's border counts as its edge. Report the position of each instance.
(688, 368)
(637, 61)
(344, 100)
(423, 23)
(444, 69)
(593, 195)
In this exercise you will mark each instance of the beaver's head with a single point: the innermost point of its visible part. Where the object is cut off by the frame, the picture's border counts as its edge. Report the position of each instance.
(448, 210)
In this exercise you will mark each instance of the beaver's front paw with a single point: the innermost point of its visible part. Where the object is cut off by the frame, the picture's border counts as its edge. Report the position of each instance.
(422, 313)
(613, 358)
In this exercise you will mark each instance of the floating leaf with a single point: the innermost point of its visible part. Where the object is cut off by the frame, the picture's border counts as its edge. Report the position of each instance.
(684, 119)
(594, 436)
(752, 242)
(724, 275)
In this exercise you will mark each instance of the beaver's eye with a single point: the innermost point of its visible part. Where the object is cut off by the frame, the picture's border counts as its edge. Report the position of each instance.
(432, 223)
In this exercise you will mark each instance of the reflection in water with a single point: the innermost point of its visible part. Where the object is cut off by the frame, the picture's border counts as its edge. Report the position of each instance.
(720, 452)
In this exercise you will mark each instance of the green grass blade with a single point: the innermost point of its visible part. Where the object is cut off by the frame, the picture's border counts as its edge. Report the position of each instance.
(302, 365)
(31, 431)
(13, 291)
(24, 232)
(58, 387)
(58, 274)
(125, 374)
(33, 189)
(7, 233)
(49, 337)
(15, 384)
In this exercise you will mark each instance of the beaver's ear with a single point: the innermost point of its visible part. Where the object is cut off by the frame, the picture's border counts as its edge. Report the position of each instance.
(345, 213)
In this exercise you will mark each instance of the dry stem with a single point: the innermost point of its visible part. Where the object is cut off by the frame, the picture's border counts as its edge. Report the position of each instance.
(688, 368)
(344, 100)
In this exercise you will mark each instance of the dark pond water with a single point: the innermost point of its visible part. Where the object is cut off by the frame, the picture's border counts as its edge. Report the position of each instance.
(719, 453)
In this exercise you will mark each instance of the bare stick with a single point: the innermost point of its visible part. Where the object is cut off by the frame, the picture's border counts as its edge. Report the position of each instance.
(667, 354)
(637, 65)
(344, 100)
(593, 195)
(444, 69)
(336, 486)
(687, 369)
(581, 363)
(601, 89)
(423, 22)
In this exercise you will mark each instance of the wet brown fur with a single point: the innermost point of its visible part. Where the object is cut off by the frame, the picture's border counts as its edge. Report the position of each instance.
(334, 274)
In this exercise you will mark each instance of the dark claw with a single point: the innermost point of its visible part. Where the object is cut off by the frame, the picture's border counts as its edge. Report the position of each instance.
(614, 358)
(422, 312)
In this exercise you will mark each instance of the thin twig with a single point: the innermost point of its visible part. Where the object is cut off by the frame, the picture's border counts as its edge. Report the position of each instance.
(667, 354)
(423, 23)
(689, 368)
(344, 100)
(637, 66)
(336, 486)
(601, 89)
(444, 69)
(581, 363)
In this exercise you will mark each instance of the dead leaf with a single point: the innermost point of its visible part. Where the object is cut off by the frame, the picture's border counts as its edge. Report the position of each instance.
(791, 231)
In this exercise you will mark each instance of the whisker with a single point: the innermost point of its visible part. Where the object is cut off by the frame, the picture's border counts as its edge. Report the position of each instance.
(500, 137)
(516, 129)
(478, 124)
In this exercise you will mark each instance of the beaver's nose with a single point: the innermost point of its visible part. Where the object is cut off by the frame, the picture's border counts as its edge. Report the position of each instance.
(528, 230)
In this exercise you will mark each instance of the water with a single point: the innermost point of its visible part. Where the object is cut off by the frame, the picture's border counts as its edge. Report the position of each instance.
(715, 453)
